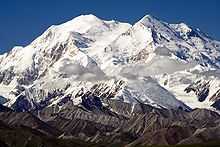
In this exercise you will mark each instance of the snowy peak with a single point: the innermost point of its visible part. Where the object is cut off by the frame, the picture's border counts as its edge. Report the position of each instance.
(153, 23)
(82, 24)
(84, 18)
(182, 28)
(87, 51)
(187, 32)
(148, 19)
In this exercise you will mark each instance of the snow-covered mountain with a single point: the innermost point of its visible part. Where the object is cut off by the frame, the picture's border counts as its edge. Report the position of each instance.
(152, 62)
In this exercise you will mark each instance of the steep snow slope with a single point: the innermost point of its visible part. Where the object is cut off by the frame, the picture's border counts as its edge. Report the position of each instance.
(151, 62)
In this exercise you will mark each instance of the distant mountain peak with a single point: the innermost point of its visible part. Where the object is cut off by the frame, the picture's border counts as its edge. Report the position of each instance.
(184, 27)
(88, 17)
(149, 20)
(148, 17)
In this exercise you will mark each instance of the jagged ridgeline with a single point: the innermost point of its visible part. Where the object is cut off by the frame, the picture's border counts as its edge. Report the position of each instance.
(95, 82)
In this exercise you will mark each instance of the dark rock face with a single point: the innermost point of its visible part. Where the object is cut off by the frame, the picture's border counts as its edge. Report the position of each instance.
(215, 96)
(91, 102)
(28, 76)
(22, 104)
(7, 76)
(64, 100)
(4, 109)
(2, 100)
(201, 89)
(216, 104)
(203, 95)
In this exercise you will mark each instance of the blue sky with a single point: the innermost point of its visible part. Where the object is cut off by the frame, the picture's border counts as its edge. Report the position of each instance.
(21, 21)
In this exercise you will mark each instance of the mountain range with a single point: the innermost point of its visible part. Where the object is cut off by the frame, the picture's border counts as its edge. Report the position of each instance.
(114, 83)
